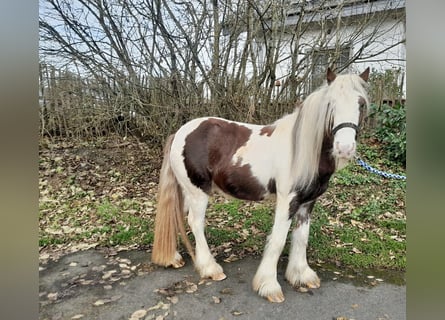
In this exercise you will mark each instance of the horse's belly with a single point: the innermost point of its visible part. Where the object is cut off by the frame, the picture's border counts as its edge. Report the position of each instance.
(239, 182)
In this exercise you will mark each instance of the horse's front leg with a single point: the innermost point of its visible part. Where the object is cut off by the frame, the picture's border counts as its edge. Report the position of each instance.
(298, 272)
(265, 280)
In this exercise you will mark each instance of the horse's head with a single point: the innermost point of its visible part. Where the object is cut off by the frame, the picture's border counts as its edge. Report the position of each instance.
(348, 100)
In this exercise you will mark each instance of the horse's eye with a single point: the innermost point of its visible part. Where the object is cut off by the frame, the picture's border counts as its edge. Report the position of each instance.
(362, 107)
(361, 103)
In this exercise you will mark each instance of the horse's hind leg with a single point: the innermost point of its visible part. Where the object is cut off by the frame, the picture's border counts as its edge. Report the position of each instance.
(298, 272)
(204, 262)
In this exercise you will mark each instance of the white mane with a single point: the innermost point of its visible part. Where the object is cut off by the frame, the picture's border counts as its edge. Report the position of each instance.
(314, 118)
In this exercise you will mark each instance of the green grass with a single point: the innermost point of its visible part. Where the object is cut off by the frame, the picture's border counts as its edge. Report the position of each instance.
(364, 225)
(218, 236)
(116, 224)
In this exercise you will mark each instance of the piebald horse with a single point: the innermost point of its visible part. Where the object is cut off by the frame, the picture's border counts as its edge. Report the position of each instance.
(293, 158)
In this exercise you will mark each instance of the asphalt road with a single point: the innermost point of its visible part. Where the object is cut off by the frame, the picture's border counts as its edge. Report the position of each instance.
(94, 284)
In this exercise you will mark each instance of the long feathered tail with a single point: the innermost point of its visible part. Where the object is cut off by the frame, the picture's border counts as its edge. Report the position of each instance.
(169, 216)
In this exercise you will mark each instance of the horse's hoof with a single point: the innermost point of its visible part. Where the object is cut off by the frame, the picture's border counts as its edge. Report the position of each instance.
(306, 279)
(276, 298)
(313, 284)
(178, 263)
(218, 276)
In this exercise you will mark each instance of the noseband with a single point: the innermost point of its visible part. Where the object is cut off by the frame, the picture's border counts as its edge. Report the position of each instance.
(345, 125)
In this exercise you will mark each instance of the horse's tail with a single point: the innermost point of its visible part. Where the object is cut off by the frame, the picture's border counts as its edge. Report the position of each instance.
(170, 215)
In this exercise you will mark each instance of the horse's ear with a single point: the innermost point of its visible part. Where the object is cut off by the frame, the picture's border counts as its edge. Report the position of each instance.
(365, 74)
(330, 75)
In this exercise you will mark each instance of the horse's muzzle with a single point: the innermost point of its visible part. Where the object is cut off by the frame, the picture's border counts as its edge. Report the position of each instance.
(344, 150)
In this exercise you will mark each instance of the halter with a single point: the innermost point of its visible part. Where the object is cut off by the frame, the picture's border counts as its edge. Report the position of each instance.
(345, 125)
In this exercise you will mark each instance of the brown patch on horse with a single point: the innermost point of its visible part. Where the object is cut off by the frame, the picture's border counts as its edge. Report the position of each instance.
(267, 130)
(208, 154)
(307, 197)
(272, 186)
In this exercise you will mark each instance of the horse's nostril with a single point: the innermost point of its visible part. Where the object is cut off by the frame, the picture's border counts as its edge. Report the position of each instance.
(345, 150)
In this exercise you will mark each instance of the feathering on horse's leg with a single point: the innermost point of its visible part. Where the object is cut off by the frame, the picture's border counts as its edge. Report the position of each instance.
(170, 210)
(298, 272)
(265, 281)
(204, 261)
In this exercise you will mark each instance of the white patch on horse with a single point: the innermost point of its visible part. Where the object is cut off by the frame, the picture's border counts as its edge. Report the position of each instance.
(261, 152)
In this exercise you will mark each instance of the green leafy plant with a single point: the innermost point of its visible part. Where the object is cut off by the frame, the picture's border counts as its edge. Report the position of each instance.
(387, 122)
(391, 131)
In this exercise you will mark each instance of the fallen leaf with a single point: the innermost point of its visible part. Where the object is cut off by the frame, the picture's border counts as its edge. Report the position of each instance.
(99, 268)
(226, 291)
(115, 298)
(165, 306)
(108, 274)
(52, 296)
(124, 260)
(191, 288)
(99, 302)
(77, 316)
(160, 305)
(44, 256)
(139, 314)
(203, 281)
(355, 250)
(173, 299)
(231, 258)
